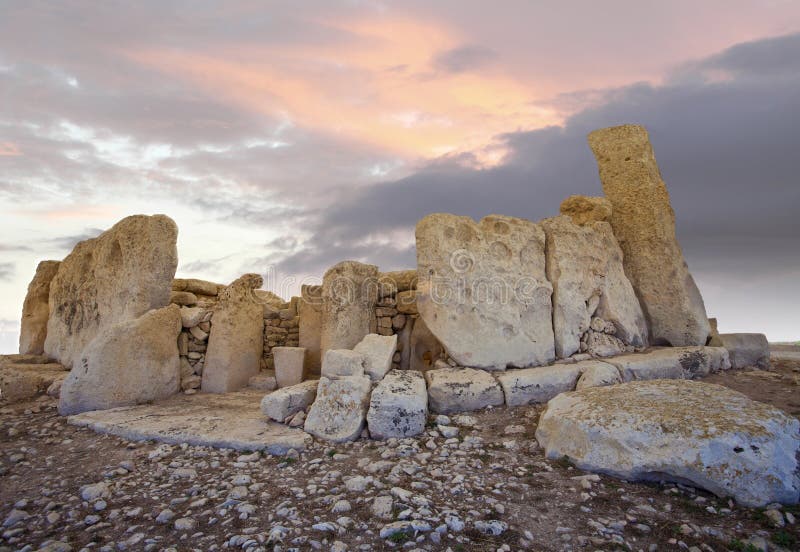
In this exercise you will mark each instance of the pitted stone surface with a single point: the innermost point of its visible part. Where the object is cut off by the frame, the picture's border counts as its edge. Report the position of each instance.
(482, 289)
(672, 363)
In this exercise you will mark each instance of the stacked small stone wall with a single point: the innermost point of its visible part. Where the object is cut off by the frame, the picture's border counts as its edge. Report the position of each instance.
(281, 329)
(197, 299)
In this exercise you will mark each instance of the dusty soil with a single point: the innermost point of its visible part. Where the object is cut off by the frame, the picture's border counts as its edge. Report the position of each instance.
(323, 499)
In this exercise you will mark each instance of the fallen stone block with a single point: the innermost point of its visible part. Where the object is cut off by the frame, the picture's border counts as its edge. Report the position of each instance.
(458, 389)
(538, 385)
(284, 402)
(398, 406)
(746, 350)
(343, 362)
(378, 351)
(708, 435)
(264, 381)
(671, 363)
(339, 412)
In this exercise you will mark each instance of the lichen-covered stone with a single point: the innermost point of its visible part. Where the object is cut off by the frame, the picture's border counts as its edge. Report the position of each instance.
(706, 434)
(398, 406)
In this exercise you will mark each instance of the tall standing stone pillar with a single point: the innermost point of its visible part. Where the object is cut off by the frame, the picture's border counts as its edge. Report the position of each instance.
(349, 294)
(644, 224)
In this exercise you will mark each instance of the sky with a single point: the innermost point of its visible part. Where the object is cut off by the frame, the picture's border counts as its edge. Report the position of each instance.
(284, 137)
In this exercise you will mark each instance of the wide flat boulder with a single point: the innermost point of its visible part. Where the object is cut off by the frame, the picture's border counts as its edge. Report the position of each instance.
(129, 363)
(685, 431)
(115, 277)
(398, 406)
(457, 389)
(27, 376)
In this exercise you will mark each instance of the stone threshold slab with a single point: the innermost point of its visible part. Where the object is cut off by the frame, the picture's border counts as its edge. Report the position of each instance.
(228, 420)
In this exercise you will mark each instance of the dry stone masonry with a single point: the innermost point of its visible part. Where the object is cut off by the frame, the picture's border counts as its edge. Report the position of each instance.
(592, 312)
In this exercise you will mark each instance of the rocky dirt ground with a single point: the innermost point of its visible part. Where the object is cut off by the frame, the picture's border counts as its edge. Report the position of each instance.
(471, 483)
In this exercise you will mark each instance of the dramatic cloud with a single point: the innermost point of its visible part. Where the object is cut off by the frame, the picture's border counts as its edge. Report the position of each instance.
(284, 140)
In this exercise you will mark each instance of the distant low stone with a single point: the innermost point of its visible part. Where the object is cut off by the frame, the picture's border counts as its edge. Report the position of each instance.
(708, 435)
(538, 385)
(398, 406)
(459, 389)
(746, 350)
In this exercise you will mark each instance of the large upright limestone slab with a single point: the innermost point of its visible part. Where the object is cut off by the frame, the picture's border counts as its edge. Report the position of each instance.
(584, 264)
(117, 276)
(349, 294)
(236, 341)
(132, 362)
(706, 434)
(36, 310)
(309, 309)
(644, 224)
(482, 289)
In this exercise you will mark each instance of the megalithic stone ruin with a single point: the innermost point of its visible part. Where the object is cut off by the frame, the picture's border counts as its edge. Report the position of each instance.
(644, 224)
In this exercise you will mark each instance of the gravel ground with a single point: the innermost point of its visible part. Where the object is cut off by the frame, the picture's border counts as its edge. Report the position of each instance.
(472, 482)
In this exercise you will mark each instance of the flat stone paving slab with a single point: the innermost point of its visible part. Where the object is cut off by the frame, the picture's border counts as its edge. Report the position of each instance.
(227, 420)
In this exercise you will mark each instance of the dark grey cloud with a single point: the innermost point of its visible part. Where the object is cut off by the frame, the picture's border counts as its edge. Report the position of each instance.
(469, 57)
(7, 271)
(67, 243)
(727, 151)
